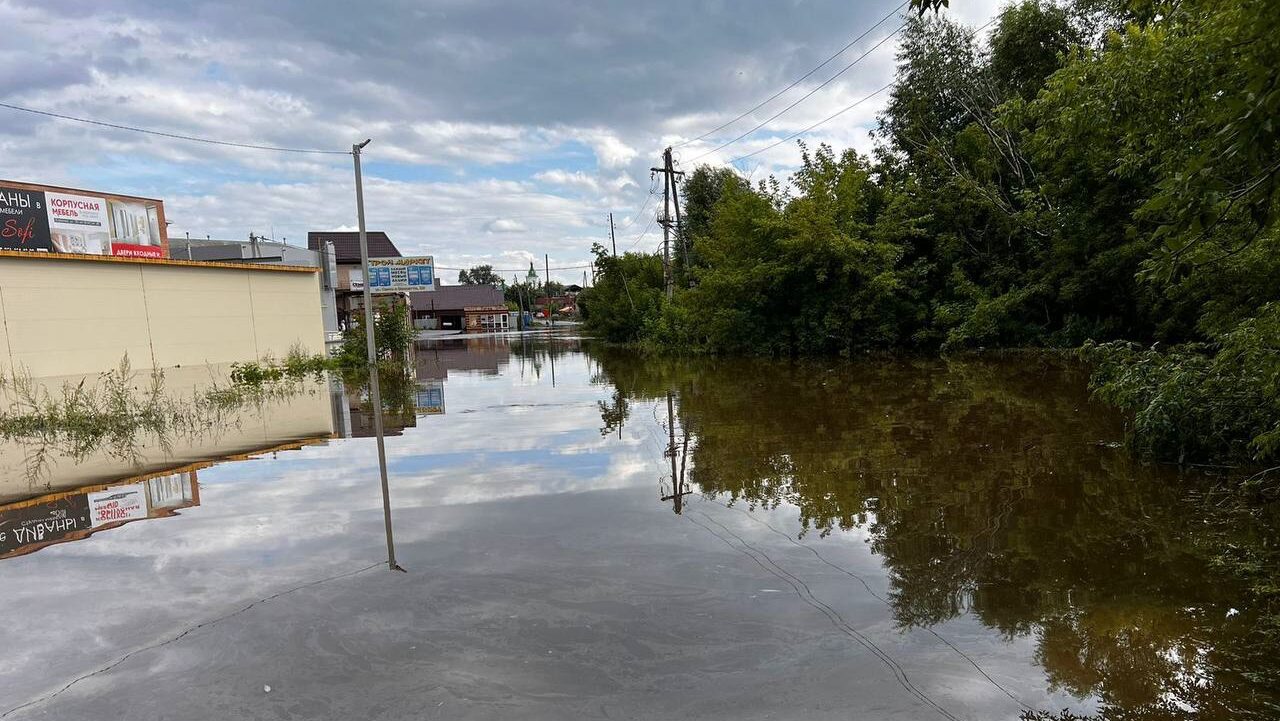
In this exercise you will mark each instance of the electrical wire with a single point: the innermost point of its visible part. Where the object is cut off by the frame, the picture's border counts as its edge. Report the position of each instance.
(798, 80)
(520, 270)
(825, 120)
(192, 138)
(653, 188)
(643, 233)
(836, 114)
(804, 97)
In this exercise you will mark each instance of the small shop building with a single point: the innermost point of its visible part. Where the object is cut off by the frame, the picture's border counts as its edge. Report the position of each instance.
(467, 308)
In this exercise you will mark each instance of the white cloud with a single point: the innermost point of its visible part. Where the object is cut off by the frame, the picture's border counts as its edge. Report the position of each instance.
(506, 225)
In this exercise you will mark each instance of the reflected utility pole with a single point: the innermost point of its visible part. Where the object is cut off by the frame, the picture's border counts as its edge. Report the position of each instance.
(677, 479)
(371, 347)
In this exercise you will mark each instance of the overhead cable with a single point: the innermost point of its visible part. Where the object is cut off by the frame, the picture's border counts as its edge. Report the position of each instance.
(177, 136)
(802, 98)
(797, 81)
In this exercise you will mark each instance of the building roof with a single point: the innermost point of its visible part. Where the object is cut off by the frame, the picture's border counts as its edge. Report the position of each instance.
(456, 297)
(346, 244)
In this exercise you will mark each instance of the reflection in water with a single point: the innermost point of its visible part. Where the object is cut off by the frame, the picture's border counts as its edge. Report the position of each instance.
(65, 433)
(678, 488)
(28, 526)
(990, 489)
(966, 527)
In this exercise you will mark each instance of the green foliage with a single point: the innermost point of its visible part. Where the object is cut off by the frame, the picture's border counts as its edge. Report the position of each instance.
(1100, 171)
(1199, 401)
(393, 333)
(297, 365)
(120, 414)
(480, 275)
(626, 297)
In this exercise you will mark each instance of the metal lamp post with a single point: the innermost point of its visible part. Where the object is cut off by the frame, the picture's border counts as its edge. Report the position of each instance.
(375, 393)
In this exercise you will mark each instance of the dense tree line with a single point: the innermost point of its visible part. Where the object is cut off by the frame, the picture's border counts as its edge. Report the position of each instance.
(1097, 173)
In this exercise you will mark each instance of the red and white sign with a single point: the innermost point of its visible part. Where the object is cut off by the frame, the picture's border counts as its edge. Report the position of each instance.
(135, 230)
(120, 503)
(78, 223)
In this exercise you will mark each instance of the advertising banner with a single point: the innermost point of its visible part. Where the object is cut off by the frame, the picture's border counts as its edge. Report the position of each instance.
(48, 219)
(24, 222)
(120, 503)
(78, 224)
(397, 275)
(430, 397)
(172, 491)
(41, 524)
(135, 230)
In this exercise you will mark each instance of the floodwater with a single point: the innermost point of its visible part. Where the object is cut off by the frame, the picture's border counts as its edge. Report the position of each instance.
(588, 534)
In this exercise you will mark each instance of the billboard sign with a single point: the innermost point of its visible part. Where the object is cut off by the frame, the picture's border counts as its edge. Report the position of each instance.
(41, 524)
(118, 503)
(398, 275)
(24, 221)
(430, 397)
(78, 224)
(48, 219)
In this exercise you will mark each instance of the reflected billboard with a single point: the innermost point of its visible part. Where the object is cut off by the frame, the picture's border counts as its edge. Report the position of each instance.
(28, 526)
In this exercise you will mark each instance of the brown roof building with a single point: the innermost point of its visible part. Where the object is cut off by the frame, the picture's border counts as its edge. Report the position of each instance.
(348, 286)
(346, 244)
(469, 308)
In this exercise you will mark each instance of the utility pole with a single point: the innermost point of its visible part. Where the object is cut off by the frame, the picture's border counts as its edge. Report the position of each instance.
(612, 239)
(371, 348)
(669, 174)
(677, 480)
(519, 300)
(546, 287)
(684, 242)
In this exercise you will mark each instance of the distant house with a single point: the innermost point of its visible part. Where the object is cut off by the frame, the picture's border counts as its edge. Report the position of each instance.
(469, 308)
(349, 283)
(564, 304)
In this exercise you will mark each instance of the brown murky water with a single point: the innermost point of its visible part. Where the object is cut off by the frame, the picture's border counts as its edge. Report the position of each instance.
(591, 534)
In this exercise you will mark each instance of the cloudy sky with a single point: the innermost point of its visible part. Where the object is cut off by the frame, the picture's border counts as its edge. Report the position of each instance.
(501, 130)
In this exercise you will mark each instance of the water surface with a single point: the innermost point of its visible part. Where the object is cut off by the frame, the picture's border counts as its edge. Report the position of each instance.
(589, 534)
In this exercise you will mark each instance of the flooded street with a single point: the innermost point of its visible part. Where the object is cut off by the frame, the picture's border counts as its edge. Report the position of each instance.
(590, 534)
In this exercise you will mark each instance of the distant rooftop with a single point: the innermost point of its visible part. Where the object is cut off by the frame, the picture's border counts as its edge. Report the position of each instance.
(346, 244)
(453, 297)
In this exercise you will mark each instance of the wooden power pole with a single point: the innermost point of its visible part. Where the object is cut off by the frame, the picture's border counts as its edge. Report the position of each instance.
(612, 239)
(669, 174)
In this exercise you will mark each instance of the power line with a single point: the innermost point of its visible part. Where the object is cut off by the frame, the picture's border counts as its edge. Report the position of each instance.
(799, 80)
(643, 233)
(838, 113)
(825, 120)
(192, 138)
(653, 185)
(804, 97)
(518, 270)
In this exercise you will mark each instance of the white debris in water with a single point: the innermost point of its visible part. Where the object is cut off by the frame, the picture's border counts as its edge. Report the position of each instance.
(1232, 612)
(266, 688)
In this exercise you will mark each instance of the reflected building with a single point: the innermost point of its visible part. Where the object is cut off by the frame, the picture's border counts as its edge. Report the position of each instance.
(185, 416)
(30, 525)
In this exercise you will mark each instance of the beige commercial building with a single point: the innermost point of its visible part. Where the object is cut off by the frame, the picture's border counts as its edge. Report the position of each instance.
(67, 314)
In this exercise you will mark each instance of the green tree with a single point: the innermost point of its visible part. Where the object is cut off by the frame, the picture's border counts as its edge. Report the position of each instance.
(480, 275)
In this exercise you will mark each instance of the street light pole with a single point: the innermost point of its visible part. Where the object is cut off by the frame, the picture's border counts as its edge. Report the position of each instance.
(371, 347)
